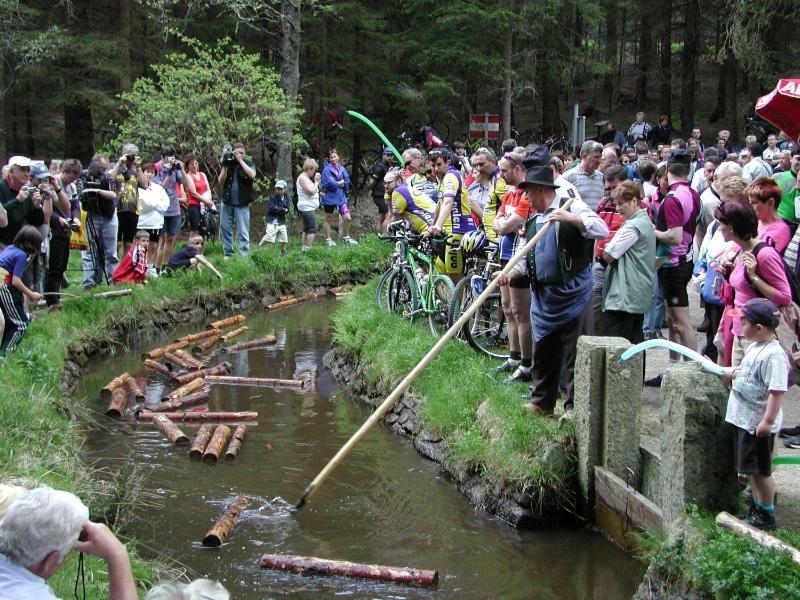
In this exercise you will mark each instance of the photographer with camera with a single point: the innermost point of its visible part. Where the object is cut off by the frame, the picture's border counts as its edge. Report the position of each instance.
(66, 218)
(99, 201)
(236, 181)
(170, 174)
(23, 203)
(128, 178)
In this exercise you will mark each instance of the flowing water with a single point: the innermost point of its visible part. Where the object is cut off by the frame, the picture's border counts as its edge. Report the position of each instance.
(385, 504)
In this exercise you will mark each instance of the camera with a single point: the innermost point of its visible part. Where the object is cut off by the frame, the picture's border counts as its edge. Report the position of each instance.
(130, 157)
(228, 156)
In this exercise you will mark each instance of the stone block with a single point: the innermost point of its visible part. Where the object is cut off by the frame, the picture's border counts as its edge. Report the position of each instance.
(622, 409)
(696, 449)
(651, 468)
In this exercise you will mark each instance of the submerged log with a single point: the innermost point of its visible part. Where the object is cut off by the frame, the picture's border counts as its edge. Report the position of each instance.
(206, 344)
(321, 566)
(193, 337)
(221, 368)
(236, 332)
(255, 381)
(134, 389)
(265, 341)
(201, 440)
(175, 363)
(229, 322)
(189, 388)
(237, 441)
(169, 429)
(157, 367)
(159, 352)
(740, 528)
(119, 398)
(341, 289)
(222, 528)
(148, 415)
(108, 389)
(189, 359)
(217, 443)
(180, 403)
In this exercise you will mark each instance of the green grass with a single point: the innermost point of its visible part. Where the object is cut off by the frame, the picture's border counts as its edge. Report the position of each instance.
(42, 427)
(508, 446)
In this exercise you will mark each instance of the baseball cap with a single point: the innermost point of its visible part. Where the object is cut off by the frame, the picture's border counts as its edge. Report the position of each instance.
(387, 150)
(39, 170)
(744, 152)
(759, 311)
(280, 184)
(19, 161)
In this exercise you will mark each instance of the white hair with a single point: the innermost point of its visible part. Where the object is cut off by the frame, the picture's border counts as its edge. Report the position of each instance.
(590, 147)
(40, 521)
(727, 169)
(199, 589)
(410, 154)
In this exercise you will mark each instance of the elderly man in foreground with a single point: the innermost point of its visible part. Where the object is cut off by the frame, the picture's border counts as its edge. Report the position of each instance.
(36, 534)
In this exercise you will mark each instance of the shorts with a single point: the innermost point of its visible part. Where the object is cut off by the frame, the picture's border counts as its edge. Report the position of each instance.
(673, 284)
(154, 235)
(275, 233)
(172, 225)
(344, 210)
(380, 202)
(309, 221)
(752, 455)
(193, 213)
(520, 283)
(449, 259)
(127, 226)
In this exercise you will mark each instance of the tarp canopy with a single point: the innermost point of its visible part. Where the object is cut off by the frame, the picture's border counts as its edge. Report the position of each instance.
(781, 107)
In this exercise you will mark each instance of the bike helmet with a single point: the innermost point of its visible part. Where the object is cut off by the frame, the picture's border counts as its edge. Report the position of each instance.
(473, 241)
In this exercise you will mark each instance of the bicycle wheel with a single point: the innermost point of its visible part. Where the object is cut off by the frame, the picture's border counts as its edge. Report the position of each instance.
(440, 295)
(382, 291)
(403, 293)
(486, 329)
(462, 297)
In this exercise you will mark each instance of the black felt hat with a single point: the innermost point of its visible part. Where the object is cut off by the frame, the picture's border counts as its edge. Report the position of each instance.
(541, 176)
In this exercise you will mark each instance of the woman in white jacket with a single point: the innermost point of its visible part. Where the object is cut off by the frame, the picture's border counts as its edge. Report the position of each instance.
(153, 203)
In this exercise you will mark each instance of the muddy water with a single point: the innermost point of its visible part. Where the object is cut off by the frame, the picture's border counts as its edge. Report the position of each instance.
(385, 504)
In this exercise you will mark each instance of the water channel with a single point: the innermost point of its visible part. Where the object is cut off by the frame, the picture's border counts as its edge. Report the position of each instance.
(385, 504)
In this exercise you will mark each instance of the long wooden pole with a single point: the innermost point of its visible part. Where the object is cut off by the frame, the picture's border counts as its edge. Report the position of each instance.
(403, 386)
(740, 528)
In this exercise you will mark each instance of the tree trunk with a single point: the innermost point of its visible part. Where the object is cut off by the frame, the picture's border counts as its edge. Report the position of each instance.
(610, 56)
(78, 132)
(125, 43)
(505, 106)
(719, 108)
(290, 81)
(691, 44)
(665, 62)
(730, 71)
(645, 50)
(548, 91)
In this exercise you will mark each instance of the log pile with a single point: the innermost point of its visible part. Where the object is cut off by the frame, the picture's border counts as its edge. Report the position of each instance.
(220, 369)
(189, 359)
(237, 441)
(217, 443)
(157, 367)
(108, 389)
(222, 528)
(200, 441)
(181, 403)
(159, 352)
(189, 388)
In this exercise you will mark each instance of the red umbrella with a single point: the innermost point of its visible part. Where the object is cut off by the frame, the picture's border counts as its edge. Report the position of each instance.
(781, 107)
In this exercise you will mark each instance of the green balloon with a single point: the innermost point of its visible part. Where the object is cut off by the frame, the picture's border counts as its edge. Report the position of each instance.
(378, 132)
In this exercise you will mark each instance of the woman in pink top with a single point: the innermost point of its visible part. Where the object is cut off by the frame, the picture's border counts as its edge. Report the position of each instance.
(757, 271)
(765, 196)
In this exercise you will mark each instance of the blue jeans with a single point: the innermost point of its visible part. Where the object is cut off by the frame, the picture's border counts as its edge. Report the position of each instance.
(102, 234)
(655, 314)
(229, 214)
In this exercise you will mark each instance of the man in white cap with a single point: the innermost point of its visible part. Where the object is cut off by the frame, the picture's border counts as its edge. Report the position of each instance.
(22, 202)
(277, 208)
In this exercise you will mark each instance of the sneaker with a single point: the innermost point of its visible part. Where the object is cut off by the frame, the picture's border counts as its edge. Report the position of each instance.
(348, 240)
(537, 410)
(649, 335)
(654, 381)
(520, 374)
(152, 273)
(509, 365)
(788, 432)
(330, 243)
(761, 519)
(793, 442)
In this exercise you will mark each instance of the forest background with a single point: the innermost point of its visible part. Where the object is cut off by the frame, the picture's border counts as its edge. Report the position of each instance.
(80, 75)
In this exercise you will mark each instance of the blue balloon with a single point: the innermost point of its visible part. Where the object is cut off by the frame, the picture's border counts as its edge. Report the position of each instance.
(704, 361)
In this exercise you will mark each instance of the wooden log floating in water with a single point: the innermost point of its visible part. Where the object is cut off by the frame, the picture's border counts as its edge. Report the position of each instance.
(222, 528)
(322, 566)
(341, 289)
(169, 429)
(189, 388)
(229, 322)
(236, 332)
(200, 441)
(217, 443)
(157, 367)
(265, 341)
(159, 352)
(119, 398)
(292, 300)
(148, 415)
(200, 335)
(254, 381)
(134, 389)
(206, 344)
(237, 441)
(108, 389)
(175, 363)
(180, 403)
(189, 359)
(220, 369)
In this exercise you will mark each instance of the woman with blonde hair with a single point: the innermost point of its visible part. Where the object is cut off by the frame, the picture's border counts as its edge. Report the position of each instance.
(307, 190)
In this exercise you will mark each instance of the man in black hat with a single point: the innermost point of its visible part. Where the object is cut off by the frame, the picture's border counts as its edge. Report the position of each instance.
(675, 226)
(559, 267)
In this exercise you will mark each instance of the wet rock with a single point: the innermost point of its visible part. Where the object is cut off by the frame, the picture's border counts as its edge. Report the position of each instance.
(430, 446)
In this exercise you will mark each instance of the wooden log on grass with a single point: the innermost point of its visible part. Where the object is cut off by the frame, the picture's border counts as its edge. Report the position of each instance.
(169, 429)
(222, 528)
(119, 399)
(108, 389)
(200, 441)
(193, 386)
(220, 369)
(189, 359)
(229, 322)
(205, 345)
(157, 367)
(200, 335)
(255, 381)
(176, 363)
(159, 352)
(237, 441)
(148, 415)
(217, 443)
(179, 404)
(742, 529)
(114, 293)
(133, 388)
(257, 343)
(321, 566)
(232, 334)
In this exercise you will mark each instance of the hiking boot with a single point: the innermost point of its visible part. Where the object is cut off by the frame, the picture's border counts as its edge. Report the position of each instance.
(654, 381)
(793, 442)
(788, 432)
(761, 519)
(64, 282)
(508, 365)
(537, 410)
(703, 327)
(519, 374)
(330, 243)
(348, 240)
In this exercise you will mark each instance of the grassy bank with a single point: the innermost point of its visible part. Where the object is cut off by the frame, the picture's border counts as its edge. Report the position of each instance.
(42, 427)
(505, 445)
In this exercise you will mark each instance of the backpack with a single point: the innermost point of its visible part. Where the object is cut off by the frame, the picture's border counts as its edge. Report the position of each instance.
(711, 290)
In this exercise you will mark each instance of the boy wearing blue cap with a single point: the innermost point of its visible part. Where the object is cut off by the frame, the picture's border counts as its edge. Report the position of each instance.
(754, 405)
(277, 208)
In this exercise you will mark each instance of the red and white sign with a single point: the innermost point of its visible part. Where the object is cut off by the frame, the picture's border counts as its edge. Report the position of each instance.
(484, 126)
